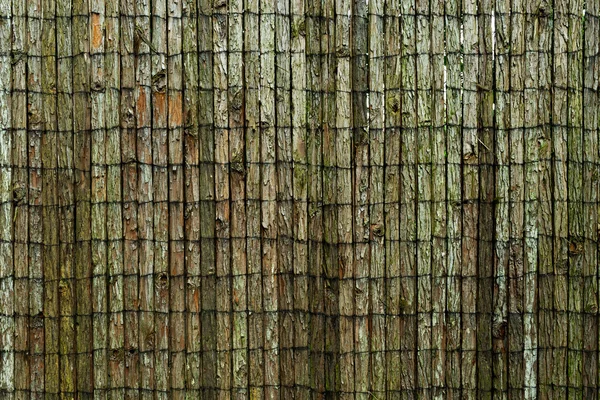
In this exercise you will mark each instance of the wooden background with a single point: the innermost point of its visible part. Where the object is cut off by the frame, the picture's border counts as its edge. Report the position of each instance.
(340, 199)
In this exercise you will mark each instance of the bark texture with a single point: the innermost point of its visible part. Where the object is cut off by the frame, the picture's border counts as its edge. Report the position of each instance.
(341, 199)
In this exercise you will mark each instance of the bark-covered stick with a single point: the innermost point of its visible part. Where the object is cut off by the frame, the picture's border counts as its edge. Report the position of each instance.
(454, 197)
(299, 94)
(545, 256)
(390, 228)
(156, 340)
(577, 219)
(238, 201)
(501, 198)
(531, 133)
(7, 307)
(344, 149)
(423, 295)
(360, 213)
(285, 255)
(560, 195)
(207, 197)
(590, 197)
(35, 127)
(114, 212)
(485, 141)
(19, 185)
(315, 192)
(406, 117)
(176, 173)
(377, 228)
(145, 102)
(191, 171)
(222, 198)
(98, 199)
(439, 205)
(253, 204)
